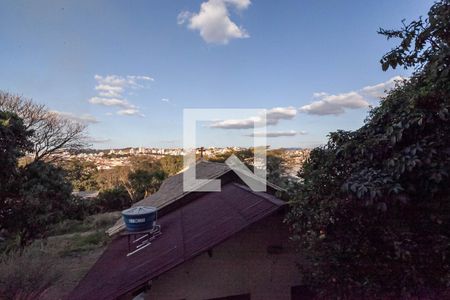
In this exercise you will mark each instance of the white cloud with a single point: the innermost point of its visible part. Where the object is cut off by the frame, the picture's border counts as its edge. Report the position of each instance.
(130, 112)
(239, 4)
(238, 123)
(273, 116)
(84, 118)
(106, 90)
(334, 104)
(122, 82)
(275, 134)
(110, 102)
(111, 90)
(329, 104)
(379, 90)
(213, 21)
(165, 100)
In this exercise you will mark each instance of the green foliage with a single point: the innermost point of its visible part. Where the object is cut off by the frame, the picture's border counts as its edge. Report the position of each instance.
(146, 163)
(423, 43)
(77, 208)
(171, 164)
(372, 215)
(275, 169)
(32, 196)
(274, 163)
(143, 183)
(244, 155)
(111, 178)
(43, 194)
(103, 220)
(85, 242)
(81, 174)
(113, 199)
(13, 143)
(93, 222)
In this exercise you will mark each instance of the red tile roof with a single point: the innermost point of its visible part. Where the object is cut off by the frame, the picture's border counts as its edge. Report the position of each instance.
(188, 231)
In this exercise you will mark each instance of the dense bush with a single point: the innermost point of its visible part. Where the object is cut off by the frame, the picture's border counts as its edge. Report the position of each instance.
(373, 213)
(78, 208)
(82, 174)
(32, 196)
(113, 199)
(41, 199)
(14, 142)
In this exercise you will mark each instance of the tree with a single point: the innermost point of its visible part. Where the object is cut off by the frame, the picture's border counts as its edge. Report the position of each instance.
(147, 163)
(142, 183)
(113, 199)
(275, 168)
(171, 164)
(372, 215)
(52, 132)
(31, 197)
(82, 174)
(274, 163)
(14, 142)
(110, 178)
(43, 196)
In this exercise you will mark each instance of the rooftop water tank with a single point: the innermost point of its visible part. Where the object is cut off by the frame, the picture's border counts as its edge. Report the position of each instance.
(140, 218)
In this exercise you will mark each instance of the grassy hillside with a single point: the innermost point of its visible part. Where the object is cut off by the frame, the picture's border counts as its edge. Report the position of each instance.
(51, 268)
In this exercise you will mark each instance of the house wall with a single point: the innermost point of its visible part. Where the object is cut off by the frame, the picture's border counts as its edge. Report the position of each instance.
(240, 265)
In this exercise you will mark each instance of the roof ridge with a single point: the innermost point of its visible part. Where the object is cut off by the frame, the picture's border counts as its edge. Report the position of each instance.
(170, 190)
(264, 195)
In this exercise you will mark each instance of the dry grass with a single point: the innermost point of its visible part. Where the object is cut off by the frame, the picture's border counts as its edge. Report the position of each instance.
(95, 222)
(51, 268)
(27, 275)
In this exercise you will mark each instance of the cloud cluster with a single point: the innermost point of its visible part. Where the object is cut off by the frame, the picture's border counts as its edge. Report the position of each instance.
(275, 134)
(111, 90)
(326, 104)
(110, 102)
(323, 104)
(329, 104)
(379, 90)
(84, 118)
(273, 116)
(213, 21)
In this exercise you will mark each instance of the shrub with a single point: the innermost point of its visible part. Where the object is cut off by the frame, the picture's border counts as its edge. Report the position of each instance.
(85, 242)
(373, 212)
(26, 275)
(113, 199)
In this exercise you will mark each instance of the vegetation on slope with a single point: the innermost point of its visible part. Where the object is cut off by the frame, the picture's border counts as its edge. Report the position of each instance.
(373, 212)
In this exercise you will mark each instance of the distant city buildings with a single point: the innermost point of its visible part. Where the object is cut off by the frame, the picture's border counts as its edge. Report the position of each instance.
(293, 159)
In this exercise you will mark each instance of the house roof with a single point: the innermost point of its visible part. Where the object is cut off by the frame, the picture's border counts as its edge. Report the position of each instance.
(171, 189)
(187, 232)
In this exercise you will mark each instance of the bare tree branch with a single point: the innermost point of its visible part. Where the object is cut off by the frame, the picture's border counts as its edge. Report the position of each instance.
(52, 133)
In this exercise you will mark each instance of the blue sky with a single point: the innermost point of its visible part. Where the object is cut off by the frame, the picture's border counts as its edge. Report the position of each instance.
(129, 68)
